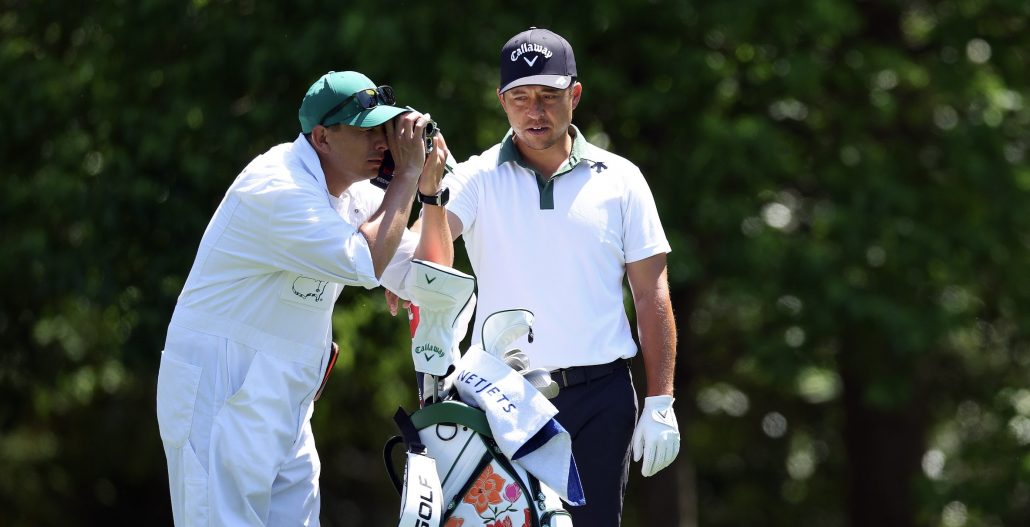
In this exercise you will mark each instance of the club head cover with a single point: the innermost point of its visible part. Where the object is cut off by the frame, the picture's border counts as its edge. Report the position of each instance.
(446, 301)
(502, 328)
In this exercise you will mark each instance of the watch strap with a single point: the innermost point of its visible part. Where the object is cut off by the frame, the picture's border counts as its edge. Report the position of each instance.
(439, 199)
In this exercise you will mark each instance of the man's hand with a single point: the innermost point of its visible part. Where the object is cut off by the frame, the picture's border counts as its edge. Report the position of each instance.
(433, 171)
(656, 439)
(392, 301)
(404, 139)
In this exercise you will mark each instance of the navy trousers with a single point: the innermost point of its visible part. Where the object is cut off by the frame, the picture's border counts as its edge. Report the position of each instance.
(600, 415)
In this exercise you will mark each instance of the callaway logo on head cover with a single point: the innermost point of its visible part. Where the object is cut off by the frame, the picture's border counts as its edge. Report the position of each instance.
(429, 350)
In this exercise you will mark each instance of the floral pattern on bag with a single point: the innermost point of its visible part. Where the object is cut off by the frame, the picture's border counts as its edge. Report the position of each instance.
(495, 502)
(486, 490)
(512, 493)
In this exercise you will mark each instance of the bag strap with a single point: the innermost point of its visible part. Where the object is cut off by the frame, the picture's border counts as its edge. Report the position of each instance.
(537, 493)
(412, 443)
(420, 490)
(421, 499)
(388, 461)
(464, 489)
(409, 431)
(530, 488)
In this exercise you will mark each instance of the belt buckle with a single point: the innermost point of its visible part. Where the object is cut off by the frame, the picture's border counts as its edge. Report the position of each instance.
(564, 379)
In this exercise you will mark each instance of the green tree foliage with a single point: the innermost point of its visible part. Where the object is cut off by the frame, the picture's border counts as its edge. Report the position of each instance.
(845, 185)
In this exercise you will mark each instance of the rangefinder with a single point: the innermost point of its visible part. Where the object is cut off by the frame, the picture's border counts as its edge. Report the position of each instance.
(382, 180)
(428, 133)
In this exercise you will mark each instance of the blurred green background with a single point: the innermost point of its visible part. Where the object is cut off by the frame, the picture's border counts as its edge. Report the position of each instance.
(845, 185)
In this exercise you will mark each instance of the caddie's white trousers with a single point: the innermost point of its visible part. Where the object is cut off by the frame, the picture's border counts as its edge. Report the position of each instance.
(235, 424)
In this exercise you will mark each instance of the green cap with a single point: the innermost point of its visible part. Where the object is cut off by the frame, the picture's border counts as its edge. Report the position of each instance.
(332, 89)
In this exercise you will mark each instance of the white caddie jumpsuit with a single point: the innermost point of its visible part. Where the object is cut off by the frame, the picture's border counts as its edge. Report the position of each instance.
(248, 342)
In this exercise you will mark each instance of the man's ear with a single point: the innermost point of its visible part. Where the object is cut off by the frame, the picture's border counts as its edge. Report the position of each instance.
(577, 92)
(320, 139)
(500, 97)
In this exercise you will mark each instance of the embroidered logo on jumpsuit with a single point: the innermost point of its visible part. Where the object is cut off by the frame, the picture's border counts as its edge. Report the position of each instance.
(309, 289)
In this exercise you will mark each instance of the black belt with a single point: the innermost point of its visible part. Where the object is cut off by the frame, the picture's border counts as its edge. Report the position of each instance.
(566, 377)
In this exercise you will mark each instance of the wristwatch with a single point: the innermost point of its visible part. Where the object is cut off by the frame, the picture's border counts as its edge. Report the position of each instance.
(439, 199)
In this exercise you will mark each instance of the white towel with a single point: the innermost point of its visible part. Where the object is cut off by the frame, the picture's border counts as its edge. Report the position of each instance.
(521, 420)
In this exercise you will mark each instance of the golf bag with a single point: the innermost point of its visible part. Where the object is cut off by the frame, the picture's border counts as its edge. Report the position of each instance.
(456, 471)
(477, 484)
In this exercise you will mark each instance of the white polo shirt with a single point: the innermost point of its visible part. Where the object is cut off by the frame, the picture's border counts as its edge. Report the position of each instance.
(277, 253)
(557, 247)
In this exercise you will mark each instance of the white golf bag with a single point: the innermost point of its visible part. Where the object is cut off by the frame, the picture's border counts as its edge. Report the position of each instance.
(455, 473)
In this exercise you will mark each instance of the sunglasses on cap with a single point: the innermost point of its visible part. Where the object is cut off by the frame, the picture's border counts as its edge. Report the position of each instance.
(367, 99)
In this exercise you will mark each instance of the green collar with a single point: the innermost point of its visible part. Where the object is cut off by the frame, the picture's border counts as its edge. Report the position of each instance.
(580, 151)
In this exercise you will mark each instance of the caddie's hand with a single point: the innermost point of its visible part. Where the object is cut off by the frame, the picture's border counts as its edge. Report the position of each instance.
(392, 301)
(656, 439)
(433, 171)
(404, 139)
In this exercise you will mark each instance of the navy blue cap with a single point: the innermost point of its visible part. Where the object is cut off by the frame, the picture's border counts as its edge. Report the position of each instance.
(537, 57)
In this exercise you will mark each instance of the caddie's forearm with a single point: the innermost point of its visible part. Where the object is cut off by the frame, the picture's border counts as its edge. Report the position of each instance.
(384, 229)
(435, 242)
(656, 327)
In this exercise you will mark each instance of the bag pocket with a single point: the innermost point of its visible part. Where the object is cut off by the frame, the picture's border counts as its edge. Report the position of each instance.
(494, 492)
(177, 386)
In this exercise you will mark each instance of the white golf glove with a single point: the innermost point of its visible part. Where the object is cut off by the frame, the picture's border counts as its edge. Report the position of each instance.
(445, 301)
(656, 438)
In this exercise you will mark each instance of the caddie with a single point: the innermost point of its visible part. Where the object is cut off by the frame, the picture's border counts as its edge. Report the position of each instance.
(553, 224)
(249, 345)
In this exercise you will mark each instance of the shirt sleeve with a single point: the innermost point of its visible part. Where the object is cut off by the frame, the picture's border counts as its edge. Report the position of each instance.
(643, 235)
(464, 199)
(306, 235)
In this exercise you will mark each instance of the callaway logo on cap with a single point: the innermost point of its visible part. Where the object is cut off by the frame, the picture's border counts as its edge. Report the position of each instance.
(537, 57)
